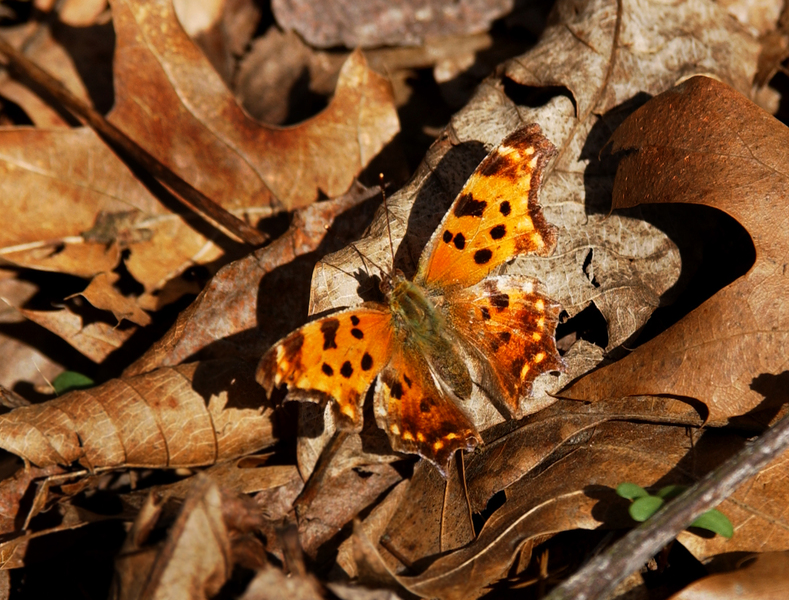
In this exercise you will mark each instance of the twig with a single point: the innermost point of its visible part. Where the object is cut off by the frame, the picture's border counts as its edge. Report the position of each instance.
(601, 574)
(186, 193)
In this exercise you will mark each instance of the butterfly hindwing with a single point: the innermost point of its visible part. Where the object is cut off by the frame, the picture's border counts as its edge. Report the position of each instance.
(496, 216)
(419, 417)
(511, 323)
(338, 357)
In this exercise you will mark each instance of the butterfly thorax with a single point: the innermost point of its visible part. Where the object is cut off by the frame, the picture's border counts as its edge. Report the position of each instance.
(421, 327)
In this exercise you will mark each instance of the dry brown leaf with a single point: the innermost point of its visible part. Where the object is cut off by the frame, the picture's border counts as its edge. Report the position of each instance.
(577, 491)
(762, 577)
(95, 340)
(261, 166)
(87, 205)
(47, 45)
(339, 500)
(222, 29)
(81, 13)
(434, 517)
(22, 343)
(424, 520)
(381, 23)
(229, 475)
(271, 84)
(195, 560)
(271, 583)
(506, 458)
(372, 527)
(704, 143)
(190, 415)
(12, 490)
(102, 294)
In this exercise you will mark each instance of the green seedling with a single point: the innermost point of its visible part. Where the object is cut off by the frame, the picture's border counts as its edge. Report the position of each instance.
(644, 505)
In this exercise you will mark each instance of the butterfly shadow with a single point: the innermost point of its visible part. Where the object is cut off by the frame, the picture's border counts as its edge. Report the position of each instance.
(434, 197)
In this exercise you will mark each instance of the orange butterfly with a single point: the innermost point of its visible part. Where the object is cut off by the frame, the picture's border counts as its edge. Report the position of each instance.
(422, 339)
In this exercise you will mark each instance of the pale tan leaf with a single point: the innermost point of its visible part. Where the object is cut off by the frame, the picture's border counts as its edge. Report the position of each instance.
(190, 415)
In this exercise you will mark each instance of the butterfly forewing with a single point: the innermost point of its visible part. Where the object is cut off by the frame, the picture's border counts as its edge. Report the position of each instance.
(511, 323)
(337, 356)
(496, 216)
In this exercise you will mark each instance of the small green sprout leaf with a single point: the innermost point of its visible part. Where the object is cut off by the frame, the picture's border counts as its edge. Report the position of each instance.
(716, 522)
(645, 507)
(631, 491)
(71, 380)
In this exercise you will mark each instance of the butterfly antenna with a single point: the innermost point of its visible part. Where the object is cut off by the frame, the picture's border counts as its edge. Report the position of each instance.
(388, 226)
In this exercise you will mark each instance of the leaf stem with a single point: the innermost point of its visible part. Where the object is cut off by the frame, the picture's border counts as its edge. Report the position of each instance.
(183, 191)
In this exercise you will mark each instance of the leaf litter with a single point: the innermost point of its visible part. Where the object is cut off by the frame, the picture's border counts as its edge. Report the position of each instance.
(369, 523)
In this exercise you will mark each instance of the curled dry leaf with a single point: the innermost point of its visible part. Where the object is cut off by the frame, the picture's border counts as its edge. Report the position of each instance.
(102, 294)
(763, 576)
(190, 415)
(703, 142)
(339, 500)
(434, 511)
(196, 555)
(172, 102)
(578, 491)
(372, 526)
(96, 340)
(433, 518)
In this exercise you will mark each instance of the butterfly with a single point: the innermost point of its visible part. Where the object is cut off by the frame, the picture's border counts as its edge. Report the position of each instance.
(453, 313)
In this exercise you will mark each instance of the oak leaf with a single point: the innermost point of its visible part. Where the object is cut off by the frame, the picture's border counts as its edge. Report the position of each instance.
(703, 142)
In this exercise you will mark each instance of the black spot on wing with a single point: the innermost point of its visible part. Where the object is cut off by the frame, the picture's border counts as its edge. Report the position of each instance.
(424, 406)
(482, 257)
(407, 380)
(327, 370)
(460, 241)
(499, 301)
(357, 333)
(505, 208)
(498, 232)
(346, 370)
(485, 313)
(329, 330)
(447, 237)
(467, 206)
(367, 362)
(396, 390)
(505, 337)
(354, 320)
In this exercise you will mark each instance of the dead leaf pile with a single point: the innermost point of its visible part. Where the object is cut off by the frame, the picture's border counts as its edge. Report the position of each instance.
(174, 476)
